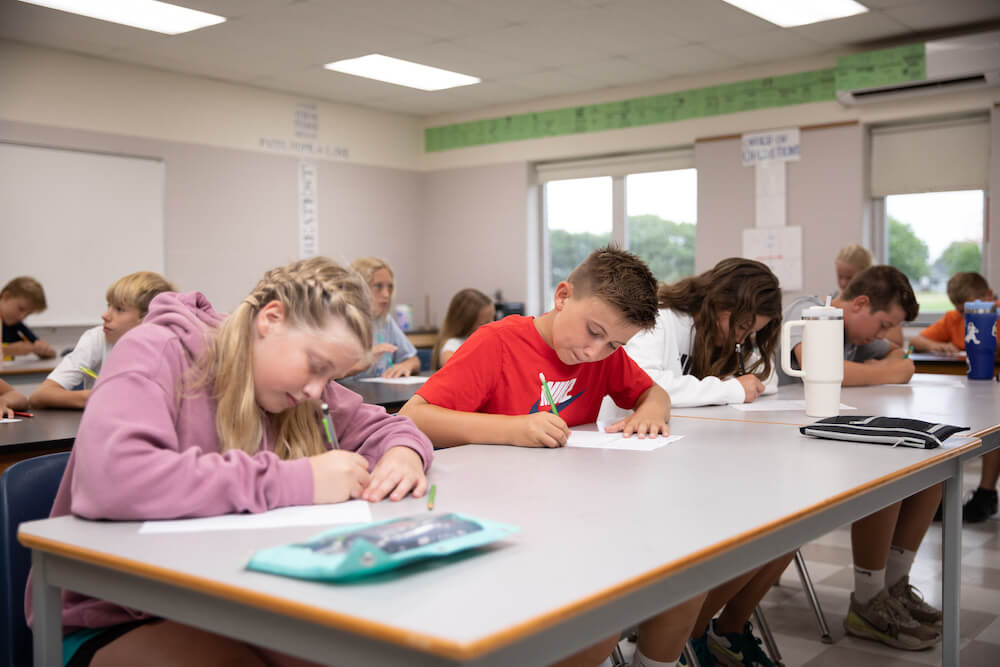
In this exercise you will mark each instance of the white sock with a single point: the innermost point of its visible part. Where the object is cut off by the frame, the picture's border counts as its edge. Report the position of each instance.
(867, 583)
(639, 660)
(900, 562)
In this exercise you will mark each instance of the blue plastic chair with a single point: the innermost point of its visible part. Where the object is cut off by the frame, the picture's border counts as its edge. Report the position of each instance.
(27, 490)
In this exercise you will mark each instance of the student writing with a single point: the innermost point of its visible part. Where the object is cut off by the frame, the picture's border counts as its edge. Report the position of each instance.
(21, 297)
(198, 415)
(10, 400)
(128, 302)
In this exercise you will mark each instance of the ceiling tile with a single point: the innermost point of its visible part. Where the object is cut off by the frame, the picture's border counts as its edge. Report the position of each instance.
(681, 60)
(777, 44)
(531, 44)
(451, 56)
(933, 14)
(856, 29)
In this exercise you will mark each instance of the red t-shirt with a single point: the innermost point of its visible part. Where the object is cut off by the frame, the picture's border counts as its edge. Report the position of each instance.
(496, 372)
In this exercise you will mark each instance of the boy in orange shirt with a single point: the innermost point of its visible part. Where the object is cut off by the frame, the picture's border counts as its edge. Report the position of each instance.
(947, 335)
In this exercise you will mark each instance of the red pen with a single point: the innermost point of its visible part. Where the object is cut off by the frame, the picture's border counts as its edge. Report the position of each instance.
(23, 414)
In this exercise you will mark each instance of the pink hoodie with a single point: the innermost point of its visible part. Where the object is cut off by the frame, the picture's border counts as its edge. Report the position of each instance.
(145, 451)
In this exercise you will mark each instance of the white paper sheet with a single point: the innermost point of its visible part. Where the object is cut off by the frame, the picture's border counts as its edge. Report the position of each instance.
(8, 421)
(601, 440)
(411, 379)
(353, 511)
(778, 405)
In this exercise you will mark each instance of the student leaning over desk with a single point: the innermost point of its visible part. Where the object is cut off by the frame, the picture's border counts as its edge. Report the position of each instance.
(884, 607)
(714, 343)
(490, 392)
(128, 302)
(19, 298)
(196, 415)
(10, 400)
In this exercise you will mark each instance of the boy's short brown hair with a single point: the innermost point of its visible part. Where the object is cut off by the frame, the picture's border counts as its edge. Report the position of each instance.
(883, 285)
(967, 286)
(28, 288)
(620, 279)
(136, 290)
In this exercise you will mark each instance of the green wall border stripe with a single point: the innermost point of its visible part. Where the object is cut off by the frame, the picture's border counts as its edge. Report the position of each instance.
(876, 68)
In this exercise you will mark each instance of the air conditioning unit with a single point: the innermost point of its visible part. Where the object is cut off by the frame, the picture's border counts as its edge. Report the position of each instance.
(958, 63)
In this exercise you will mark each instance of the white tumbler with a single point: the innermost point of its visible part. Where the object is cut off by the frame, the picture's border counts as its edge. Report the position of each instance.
(822, 358)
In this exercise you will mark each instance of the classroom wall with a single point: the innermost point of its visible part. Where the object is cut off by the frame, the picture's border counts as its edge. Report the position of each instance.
(991, 259)
(231, 214)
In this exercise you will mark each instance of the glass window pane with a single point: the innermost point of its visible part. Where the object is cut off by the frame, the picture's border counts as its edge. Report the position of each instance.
(578, 214)
(933, 235)
(662, 209)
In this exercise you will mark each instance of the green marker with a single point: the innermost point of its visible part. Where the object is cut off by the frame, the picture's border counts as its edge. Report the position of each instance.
(548, 394)
(430, 497)
(331, 434)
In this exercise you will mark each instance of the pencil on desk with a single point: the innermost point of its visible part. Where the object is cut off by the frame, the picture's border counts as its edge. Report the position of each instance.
(430, 497)
(88, 372)
(23, 414)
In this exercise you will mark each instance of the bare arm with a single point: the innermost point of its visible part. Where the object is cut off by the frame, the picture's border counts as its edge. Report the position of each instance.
(11, 398)
(52, 395)
(921, 344)
(893, 369)
(448, 428)
(445, 356)
(18, 349)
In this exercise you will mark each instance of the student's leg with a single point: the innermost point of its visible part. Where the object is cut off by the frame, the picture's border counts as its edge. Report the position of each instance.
(870, 540)
(662, 637)
(717, 597)
(739, 608)
(167, 644)
(915, 517)
(590, 656)
(983, 503)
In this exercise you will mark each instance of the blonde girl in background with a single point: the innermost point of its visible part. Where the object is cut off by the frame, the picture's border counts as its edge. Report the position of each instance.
(469, 309)
(392, 355)
(199, 415)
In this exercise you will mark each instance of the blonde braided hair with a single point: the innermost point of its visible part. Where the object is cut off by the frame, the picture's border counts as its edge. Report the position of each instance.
(311, 291)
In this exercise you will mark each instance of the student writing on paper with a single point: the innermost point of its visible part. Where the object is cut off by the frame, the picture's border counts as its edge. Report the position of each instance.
(713, 343)
(10, 400)
(199, 415)
(392, 354)
(468, 310)
(506, 384)
(128, 302)
(20, 298)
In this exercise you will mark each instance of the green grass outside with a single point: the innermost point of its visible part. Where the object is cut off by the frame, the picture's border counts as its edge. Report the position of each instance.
(933, 302)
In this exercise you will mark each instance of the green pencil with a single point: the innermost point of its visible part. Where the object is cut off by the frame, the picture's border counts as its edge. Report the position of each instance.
(88, 372)
(430, 497)
(331, 434)
(548, 394)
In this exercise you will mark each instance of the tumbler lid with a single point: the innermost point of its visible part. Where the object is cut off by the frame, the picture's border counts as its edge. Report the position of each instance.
(980, 307)
(822, 313)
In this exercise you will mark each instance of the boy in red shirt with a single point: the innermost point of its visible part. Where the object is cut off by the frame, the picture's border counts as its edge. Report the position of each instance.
(490, 392)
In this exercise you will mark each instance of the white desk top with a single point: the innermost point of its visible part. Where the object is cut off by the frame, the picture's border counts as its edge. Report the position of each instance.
(568, 556)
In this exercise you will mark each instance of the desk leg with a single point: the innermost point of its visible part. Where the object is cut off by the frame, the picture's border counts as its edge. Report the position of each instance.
(47, 615)
(951, 562)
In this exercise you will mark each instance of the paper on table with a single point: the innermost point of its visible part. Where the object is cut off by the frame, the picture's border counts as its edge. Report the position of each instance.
(778, 405)
(411, 379)
(353, 511)
(601, 440)
(9, 421)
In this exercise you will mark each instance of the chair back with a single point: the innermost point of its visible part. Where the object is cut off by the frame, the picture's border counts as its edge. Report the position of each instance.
(27, 490)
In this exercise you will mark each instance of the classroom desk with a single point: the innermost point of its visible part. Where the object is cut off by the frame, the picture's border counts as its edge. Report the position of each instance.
(389, 396)
(573, 575)
(947, 364)
(28, 365)
(47, 432)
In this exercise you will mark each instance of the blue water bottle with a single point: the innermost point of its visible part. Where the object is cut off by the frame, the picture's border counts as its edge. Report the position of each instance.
(980, 338)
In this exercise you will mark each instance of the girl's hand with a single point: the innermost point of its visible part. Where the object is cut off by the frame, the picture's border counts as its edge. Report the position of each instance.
(382, 348)
(752, 387)
(5, 411)
(542, 429)
(398, 472)
(395, 371)
(338, 476)
(640, 424)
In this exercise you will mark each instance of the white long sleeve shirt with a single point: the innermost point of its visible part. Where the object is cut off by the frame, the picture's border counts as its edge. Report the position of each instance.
(663, 352)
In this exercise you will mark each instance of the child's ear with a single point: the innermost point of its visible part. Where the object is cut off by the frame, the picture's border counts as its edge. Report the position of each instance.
(861, 302)
(269, 317)
(563, 293)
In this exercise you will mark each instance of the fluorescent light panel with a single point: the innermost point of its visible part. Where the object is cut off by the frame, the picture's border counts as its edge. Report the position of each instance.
(145, 14)
(401, 72)
(789, 13)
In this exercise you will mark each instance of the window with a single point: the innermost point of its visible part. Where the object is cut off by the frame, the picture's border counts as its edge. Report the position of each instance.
(932, 235)
(646, 203)
(662, 210)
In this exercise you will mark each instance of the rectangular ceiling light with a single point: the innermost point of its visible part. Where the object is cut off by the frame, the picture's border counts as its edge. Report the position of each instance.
(788, 13)
(401, 72)
(145, 14)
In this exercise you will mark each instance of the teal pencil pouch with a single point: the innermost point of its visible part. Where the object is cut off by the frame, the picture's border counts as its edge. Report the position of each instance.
(354, 552)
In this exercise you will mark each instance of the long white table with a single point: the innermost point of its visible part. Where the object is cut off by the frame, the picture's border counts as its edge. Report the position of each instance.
(608, 538)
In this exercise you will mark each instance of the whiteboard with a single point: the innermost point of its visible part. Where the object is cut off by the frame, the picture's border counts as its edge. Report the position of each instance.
(78, 221)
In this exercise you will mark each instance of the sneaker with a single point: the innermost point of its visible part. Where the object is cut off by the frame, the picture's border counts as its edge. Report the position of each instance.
(913, 601)
(885, 620)
(738, 648)
(701, 653)
(981, 506)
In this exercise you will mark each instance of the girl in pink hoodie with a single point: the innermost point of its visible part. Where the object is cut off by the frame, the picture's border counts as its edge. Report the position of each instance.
(199, 415)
